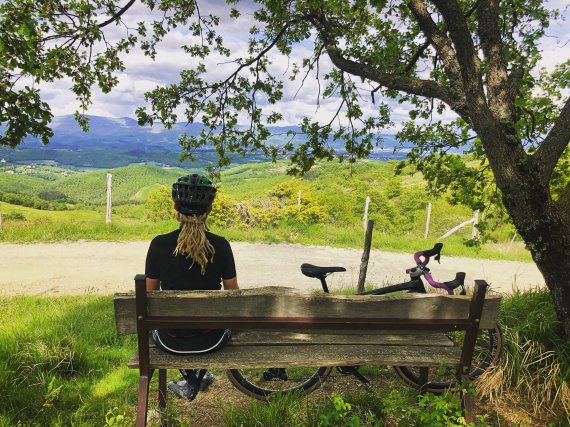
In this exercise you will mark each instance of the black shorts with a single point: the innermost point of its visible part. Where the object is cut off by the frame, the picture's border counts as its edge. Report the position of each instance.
(191, 341)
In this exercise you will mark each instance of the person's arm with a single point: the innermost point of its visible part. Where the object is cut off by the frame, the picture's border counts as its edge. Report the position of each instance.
(229, 269)
(152, 284)
(228, 283)
(151, 270)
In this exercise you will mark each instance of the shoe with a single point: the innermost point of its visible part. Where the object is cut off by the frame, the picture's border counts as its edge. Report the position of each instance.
(183, 389)
(206, 382)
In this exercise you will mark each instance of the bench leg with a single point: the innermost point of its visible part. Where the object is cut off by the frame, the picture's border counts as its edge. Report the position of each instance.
(142, 406)
(424, 372)
(467, 400)
(162, 389)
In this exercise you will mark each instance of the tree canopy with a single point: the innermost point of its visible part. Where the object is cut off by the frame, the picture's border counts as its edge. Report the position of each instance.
(477, 60)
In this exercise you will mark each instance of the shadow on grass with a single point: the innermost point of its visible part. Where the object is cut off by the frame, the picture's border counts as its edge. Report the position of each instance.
(61, 362)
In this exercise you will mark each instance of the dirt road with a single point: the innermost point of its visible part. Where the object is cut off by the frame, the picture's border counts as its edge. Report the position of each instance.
(108, 267)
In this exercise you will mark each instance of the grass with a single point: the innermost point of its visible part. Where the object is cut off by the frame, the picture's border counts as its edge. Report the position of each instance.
(340, 190)
(61, 363)
(535, 364)
(129, 223)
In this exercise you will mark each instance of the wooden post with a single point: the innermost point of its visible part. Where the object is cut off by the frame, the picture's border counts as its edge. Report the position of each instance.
(510, 244)
(454, 229)
(365, 219)
(475, 231)
(365, 256)
(109, 187)
(299, 198)
(427, 220)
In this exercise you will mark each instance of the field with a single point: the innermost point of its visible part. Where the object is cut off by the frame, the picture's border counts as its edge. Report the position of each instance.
(258, 202)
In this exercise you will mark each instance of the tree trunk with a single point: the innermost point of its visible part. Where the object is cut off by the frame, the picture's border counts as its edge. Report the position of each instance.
(545, 227)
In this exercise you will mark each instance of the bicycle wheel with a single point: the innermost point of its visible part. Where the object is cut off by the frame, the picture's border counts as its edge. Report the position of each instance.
(262, 382)
(487, 351)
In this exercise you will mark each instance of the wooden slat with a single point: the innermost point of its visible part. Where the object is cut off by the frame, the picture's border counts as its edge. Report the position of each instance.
(305, 355)
(288, 302)
(246, 338)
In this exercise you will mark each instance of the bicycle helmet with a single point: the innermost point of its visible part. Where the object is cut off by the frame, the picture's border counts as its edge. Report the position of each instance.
(193, 194)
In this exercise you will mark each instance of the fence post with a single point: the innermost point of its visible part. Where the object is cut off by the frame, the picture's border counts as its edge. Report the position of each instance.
(299, 198)
(109, 188)
(365, 256)
(365, 219)
(427, 221)
(454, 229)
(474, 230)
(511, 243)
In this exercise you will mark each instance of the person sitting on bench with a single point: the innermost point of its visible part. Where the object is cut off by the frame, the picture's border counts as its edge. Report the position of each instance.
(191, 258)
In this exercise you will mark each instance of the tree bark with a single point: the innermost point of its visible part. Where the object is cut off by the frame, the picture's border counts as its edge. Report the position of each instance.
(543, 223)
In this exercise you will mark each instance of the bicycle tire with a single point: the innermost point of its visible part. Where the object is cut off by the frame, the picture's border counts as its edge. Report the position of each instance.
(485, 355)
(252, 382)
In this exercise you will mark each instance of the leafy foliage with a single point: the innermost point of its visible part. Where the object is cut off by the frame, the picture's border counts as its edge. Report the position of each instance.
(159, 206)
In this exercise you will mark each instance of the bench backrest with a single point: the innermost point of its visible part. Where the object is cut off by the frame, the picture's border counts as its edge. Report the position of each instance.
(282, 308)
(286, 308)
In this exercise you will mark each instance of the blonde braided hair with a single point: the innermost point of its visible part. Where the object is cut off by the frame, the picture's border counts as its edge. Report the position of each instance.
(192, 241)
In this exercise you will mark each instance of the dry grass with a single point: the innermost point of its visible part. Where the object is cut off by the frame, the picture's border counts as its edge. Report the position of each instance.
(530, 375)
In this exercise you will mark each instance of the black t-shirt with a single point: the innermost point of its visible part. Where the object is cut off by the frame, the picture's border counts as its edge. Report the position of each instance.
(174, 272)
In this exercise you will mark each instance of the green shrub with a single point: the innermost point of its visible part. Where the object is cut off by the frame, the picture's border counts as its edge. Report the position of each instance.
(224, 211)
(159, 205)
(14, 216)
(341, 413)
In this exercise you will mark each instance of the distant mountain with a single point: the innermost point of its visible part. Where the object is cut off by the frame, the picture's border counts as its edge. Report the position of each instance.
(125, 133)
(114, 142)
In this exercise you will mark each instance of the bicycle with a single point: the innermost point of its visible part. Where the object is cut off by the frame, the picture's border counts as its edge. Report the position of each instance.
(260, 383)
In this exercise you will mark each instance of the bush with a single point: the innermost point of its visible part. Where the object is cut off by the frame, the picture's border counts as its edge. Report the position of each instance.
(159, 205)
(14, 216)
(52, 195)
(224, 211)
(286, 197)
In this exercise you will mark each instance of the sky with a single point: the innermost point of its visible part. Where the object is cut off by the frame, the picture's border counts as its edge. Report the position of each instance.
(143, 74)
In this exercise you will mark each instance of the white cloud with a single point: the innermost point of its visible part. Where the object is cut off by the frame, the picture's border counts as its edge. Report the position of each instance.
(143, 74)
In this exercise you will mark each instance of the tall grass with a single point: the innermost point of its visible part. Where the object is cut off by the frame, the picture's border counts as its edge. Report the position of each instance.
(534, 370)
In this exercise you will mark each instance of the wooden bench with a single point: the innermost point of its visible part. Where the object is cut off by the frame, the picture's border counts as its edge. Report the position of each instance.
(415, 325)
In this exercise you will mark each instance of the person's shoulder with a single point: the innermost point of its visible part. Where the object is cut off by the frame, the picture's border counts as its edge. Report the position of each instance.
(217, 240)
(165, 238)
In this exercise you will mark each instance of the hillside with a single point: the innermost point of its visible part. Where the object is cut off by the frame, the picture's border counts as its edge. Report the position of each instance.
(257, 202)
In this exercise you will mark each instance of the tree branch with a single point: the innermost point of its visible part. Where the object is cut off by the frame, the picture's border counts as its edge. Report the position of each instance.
(117, 15)
(414, 86)
(501, 103)
(554, 144)
(466, 54)
(427, 88)
(444, 49)
(417, 56)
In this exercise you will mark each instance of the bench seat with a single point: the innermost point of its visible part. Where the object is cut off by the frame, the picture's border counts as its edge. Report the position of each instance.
(255, 349)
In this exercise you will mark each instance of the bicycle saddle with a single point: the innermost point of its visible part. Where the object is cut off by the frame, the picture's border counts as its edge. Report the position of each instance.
(310, 270)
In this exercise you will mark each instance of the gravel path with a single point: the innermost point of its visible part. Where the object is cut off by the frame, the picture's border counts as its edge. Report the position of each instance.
(108, 267)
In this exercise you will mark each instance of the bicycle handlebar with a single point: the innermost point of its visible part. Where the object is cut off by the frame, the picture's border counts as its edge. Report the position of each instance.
(427, 254)
(421, 269)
